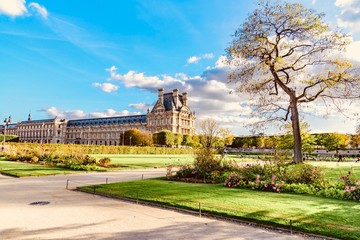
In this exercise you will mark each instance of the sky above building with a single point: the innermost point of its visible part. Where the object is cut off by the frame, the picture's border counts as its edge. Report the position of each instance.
(100, 58)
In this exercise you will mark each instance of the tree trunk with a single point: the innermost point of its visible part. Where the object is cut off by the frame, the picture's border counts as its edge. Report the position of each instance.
(296, 131)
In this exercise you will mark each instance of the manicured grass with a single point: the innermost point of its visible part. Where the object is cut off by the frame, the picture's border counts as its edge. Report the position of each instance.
(334, 171)
(17, 169)
(136, 161)
(330, 217)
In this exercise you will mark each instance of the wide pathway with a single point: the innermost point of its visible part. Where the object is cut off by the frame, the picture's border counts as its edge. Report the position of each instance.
(75, 215)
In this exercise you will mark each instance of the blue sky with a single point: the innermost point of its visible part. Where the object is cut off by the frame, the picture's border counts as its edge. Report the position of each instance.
(99, 58)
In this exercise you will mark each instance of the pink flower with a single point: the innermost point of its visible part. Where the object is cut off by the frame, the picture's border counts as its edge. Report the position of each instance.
(358, 183)
(266, 185)
(252, 188)
(229, 184)
(257, 176)
(352, 188)
(273, 177)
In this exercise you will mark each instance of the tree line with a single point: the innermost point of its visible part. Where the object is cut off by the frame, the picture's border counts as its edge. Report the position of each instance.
(328, 141)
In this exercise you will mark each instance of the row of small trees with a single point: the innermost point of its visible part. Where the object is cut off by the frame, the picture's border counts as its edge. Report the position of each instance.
(328, 141)
(213, 137)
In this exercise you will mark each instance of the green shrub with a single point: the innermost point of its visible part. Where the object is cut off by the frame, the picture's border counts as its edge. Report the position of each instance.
(104, 162)
(250, 171)
(305, 173)
(185, 171)
(206, 162)
(34, 159)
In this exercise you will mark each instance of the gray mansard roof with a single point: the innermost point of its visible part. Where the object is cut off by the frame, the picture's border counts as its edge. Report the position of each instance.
(169, 102)
(38, 121)
(8, 126)
(107, 121)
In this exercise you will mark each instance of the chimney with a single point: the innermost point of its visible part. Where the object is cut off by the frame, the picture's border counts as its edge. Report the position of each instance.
(176, 97)
(161, 95)
(185, 99)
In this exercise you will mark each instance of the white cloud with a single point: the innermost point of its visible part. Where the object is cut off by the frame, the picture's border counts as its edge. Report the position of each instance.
(68, 114)
(106, 87)
(141, 106)
(140, 80)
(313, 2)
(80, 114)
(353, 51)
(342, 3)
(207, 56)
(13, 8)
(193, 59)
(41, 10)
(16, 8)
(350, 14)
(196, 59)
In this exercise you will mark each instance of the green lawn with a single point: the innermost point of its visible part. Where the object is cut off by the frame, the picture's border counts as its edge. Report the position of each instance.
(18, 169)
(334, 171)
(140, 161)
(136, 161)
(330, 217)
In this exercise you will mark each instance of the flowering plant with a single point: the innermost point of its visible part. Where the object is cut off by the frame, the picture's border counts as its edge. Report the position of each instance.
(234, 180)
(352, 187)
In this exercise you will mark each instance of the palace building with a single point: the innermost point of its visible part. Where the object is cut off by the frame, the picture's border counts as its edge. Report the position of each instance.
(170, 112)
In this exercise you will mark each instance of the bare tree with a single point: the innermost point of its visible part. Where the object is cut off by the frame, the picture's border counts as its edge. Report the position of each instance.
(284, 56)
(209, 131)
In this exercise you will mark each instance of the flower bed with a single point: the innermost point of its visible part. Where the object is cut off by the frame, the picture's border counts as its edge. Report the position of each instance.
(273, 176)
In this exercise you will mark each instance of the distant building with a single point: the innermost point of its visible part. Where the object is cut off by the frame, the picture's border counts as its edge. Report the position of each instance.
(171, 112)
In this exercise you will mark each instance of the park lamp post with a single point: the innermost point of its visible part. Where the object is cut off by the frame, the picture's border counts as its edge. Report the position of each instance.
(6, 122)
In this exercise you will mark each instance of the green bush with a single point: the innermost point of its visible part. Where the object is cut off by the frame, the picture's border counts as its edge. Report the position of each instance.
(305, 173)
(34, 159)
(104, 162)
(206, 162)
(185, 171)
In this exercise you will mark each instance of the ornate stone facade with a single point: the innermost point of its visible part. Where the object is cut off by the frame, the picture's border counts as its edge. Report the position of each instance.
(170, 112)
(103, 131)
